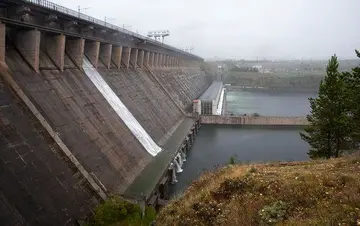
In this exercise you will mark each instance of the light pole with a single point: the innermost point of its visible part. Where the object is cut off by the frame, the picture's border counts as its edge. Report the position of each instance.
(79, 9)
(109, 18)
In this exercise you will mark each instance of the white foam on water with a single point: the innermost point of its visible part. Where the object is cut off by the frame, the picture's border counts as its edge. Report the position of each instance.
(144, 138)
(221, 101)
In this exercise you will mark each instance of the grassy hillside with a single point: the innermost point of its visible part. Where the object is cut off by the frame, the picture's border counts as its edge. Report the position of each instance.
(323, 192)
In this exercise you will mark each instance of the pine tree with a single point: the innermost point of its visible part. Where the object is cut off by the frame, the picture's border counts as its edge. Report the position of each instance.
(328, 129)
(352, 88)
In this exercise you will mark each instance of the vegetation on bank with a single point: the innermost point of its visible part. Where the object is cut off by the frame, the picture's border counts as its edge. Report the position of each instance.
(321, 192)
(117, 212)
(335, 114)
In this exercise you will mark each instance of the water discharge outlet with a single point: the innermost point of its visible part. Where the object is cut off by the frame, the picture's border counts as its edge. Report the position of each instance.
(121, 110)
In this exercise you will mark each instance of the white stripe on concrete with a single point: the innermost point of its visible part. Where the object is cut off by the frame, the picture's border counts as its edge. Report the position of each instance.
(221, 101)
(122, 111)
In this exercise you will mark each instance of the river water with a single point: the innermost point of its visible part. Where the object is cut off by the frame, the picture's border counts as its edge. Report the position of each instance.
(215, 144)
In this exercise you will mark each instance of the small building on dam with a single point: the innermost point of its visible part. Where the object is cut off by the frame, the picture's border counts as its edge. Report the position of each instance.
(89, 110)
(211, 101)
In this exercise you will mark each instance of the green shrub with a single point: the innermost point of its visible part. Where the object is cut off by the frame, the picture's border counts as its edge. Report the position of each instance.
(116, 211)
(273, 213)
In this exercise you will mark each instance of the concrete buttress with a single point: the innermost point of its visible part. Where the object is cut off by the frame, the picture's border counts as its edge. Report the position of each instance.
(75, 49)
(28, 44)
(2, 42)
(126, 56)
(146, 58)
(92, 49)
(134, 57)
(105, 54)
(55, 48)
(140, 59)
(116, 55)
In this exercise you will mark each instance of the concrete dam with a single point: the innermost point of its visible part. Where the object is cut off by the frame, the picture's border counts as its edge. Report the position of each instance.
(87, 110)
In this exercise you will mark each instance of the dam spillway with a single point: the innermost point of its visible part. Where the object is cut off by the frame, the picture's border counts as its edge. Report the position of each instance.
(38, 177)
(134, 126)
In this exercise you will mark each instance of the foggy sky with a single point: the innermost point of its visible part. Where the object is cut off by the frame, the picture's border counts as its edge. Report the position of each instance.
(242, 29)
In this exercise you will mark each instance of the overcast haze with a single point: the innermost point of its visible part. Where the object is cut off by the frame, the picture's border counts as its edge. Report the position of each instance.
(242, 29)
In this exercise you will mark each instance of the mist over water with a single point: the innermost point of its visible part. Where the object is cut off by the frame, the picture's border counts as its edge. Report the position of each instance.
(215, 144)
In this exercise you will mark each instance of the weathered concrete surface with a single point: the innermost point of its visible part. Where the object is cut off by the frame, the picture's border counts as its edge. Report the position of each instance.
(140, 60)
(134, 57)
(146, 100)
(75, 50)
(85, 121)
(249, 120)
(116, 56)
(92, 51)
(55, 48)
(148, 179)
(2, 42)
(28, 43)
(39, 185)
(105, 54)
(184, 84)
(125, 58)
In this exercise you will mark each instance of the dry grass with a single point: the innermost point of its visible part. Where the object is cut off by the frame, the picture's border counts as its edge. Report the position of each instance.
(304, 193)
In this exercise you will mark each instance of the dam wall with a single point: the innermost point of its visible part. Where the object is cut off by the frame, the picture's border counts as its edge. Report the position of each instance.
(145, 98)
(39, 185)
(252, 120)
(89, 125)
(183, 84)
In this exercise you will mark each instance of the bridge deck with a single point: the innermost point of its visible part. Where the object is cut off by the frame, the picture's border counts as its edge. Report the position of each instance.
(152, 173)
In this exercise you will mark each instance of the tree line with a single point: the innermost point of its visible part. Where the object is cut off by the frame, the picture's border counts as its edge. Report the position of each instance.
(334, 119)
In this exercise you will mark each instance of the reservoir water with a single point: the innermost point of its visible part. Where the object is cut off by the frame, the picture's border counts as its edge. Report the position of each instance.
(268, 102)
(215, 144)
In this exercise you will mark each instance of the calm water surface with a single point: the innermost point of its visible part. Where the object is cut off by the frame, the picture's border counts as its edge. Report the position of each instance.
(215, 144)
(269, 103)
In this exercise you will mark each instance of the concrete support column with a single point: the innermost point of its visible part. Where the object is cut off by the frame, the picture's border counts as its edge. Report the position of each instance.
(55, 48)
(2, 42)
(28, 44)
(146, 58)
(140, 59)
(116, 56)
(168, 61)
(105, 54)
(75, 49)
(156, 59)
(164, 60)
(92, 49)
(151, 59)
(133, 57)
(160, 61)
(171, 61)
(126, 56)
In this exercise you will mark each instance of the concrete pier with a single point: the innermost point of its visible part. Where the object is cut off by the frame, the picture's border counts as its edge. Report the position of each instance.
(75, 49)
(92, 50)
(134, 58)
(28, 44)
(126, 56)
(2, 42)
(140, 58)
(55, 48)
(116, 56)
(105, 54)
(252, 120)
